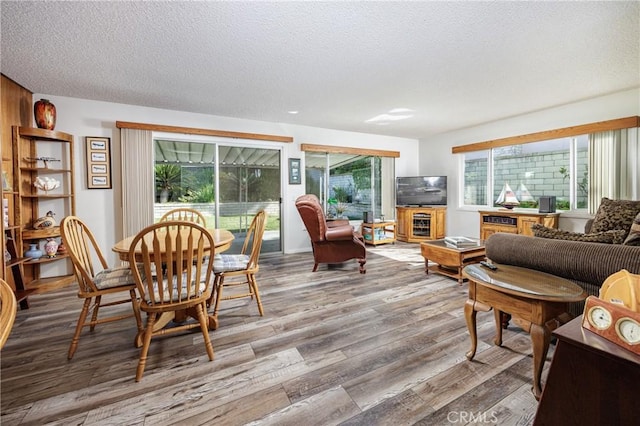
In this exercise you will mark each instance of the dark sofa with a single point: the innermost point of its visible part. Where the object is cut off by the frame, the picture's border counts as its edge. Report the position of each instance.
(587, 264)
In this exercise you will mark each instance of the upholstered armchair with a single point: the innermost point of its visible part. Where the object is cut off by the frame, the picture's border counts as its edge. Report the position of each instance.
(331, 244)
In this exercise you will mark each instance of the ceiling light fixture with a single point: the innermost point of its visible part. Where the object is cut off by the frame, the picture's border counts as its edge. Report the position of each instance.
(293, 112)
(394, 114)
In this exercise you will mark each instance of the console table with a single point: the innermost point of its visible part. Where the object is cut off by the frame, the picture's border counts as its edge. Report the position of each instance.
(514, 222)
(590, 381)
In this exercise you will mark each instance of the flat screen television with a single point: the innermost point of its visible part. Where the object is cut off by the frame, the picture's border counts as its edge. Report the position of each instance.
(421, 191)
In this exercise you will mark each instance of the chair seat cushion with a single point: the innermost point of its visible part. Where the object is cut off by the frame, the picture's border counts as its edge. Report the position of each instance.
(230, 262)
(202, 286)
(113, 277)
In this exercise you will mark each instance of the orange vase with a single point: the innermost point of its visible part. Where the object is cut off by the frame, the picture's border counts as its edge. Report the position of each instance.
(45, 114)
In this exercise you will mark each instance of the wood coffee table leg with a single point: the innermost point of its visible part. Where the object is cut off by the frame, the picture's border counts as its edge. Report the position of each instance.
(540, 337)
(498, 315)
(470, 317)
(505, 320)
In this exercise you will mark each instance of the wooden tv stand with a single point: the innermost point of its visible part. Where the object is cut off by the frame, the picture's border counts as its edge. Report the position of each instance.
(417, 224)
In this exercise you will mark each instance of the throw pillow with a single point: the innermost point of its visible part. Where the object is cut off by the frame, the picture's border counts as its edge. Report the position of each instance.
(633, 239)
(614, 215)
(607, 237)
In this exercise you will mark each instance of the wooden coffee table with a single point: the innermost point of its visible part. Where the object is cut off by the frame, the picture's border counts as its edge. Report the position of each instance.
(450, 261)
(537, 302)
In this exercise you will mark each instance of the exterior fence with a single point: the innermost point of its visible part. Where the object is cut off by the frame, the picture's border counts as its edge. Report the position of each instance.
(540, 173)
(226, 209)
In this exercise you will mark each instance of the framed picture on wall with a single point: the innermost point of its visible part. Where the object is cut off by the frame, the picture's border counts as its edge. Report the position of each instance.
(294, 171)
(98, 162)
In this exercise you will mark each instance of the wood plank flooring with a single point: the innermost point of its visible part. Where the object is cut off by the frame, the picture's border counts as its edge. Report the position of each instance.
(334, 348)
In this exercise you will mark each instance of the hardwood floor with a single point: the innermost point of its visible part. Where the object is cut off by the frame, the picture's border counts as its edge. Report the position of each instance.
(334, 347)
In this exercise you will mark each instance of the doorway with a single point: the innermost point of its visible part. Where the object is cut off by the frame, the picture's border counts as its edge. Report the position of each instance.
(227, 183)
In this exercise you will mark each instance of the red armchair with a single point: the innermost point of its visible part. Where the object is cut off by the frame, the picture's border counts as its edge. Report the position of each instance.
(330, 244)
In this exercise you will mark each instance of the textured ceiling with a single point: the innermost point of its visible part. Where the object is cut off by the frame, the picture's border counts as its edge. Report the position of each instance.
(455, 64)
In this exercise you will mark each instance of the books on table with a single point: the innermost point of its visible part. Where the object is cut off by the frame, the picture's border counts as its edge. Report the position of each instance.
(461, 242)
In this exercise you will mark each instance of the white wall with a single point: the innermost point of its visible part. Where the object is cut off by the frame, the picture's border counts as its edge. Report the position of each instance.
(101, 209)
(436, 157)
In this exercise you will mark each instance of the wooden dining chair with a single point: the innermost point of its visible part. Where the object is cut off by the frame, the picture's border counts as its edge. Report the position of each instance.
(184, 214)
(94, 282)
(8, 311)
(244, 265)
(185, 284)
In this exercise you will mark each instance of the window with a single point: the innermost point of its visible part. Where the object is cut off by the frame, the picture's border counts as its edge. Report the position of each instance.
(579, 166)
(556, 167)
(349, 184)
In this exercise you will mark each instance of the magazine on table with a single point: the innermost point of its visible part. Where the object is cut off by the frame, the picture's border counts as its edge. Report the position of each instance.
(460, 242)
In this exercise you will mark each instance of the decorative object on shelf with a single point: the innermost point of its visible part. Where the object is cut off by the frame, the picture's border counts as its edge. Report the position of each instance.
(45, 222)
(98, 162)
(34, 252)
(7, 255)
(507, 197)
(45, 114)
(5, 212)
(6, 183)
(45, 160)
(62, 249)
(46, 183)
(51, 247)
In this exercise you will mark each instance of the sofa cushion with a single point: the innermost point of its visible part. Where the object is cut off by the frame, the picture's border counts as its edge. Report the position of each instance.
(615, 215)
(633, 239)
(607, 237)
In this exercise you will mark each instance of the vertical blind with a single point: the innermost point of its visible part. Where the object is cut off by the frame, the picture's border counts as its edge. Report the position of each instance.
(137, 179)
(613, 166)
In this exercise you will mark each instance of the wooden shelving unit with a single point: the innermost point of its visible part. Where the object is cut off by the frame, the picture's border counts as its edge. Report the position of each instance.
(378, 232)
(30, 203)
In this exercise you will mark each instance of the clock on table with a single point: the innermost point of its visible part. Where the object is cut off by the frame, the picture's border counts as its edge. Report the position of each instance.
(615, 315)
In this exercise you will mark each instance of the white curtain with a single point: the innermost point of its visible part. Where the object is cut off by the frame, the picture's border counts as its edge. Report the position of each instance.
(630, 159)
(137, 180)
(388, 187)
(613, 166)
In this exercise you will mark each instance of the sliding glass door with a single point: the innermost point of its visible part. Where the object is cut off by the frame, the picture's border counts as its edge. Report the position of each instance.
(250, 181)
(349, 185)
(227, 183)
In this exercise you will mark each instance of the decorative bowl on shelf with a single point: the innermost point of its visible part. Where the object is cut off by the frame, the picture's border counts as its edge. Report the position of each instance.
(45, 222)
(46, 184)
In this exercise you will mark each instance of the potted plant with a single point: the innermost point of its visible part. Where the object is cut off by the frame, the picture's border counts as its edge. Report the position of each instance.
(338, 207)
(167, 178)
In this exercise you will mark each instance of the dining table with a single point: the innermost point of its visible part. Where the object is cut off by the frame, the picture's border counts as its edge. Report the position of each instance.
(222, 239)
